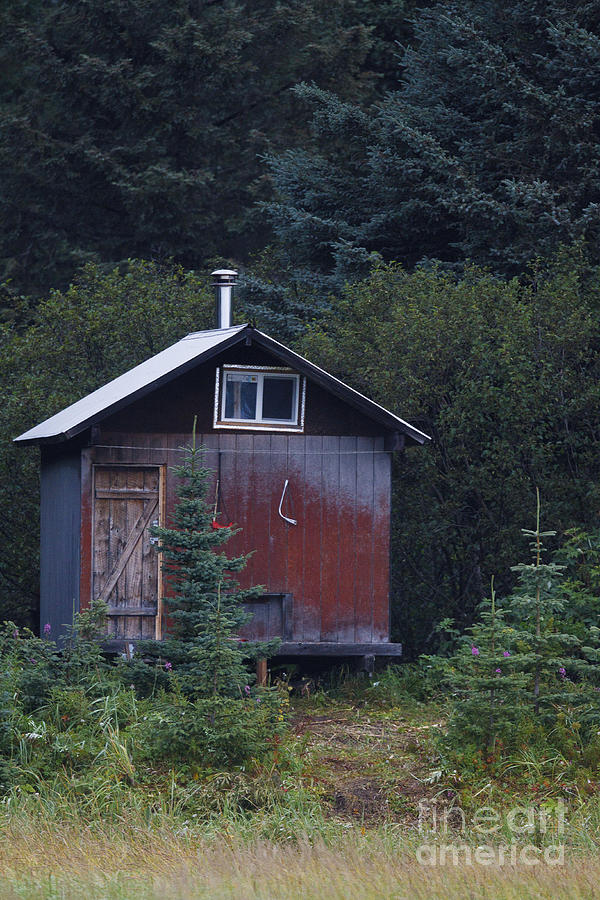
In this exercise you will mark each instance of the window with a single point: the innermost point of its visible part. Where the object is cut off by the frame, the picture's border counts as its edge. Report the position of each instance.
(260, 397)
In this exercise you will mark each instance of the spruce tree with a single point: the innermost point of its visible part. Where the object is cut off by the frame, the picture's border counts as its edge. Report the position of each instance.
(206, 604)
(219, 662)
(485, 680)
(562, 669)
(487, 152)
(134, 128)
(518, 671)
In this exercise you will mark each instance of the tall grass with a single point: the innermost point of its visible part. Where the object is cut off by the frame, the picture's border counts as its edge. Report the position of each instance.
(56, 846)
(101, 829)
(133, 861)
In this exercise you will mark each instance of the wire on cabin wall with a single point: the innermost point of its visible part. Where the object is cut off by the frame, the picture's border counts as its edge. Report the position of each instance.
(231, 450)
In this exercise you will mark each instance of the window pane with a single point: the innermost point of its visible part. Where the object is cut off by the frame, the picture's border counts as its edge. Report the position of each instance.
(278, 399)
(240, 397)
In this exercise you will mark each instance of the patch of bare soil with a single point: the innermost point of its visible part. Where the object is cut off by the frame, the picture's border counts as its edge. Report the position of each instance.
(368, 769)
(361, 798)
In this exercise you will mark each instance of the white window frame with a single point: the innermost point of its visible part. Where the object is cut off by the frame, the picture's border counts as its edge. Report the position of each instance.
(296, 424)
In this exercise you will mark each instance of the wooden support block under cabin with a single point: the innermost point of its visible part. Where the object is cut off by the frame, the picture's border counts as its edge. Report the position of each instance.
(368, 663)
(261, 672)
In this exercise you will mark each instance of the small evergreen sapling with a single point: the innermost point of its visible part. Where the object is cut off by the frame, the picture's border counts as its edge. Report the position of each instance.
(562, 671)
(485, 680)
(519, 671)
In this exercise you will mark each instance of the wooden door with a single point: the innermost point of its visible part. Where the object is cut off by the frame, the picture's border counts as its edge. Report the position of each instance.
(126, 575)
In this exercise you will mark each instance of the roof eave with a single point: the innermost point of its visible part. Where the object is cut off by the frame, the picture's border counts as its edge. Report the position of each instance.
(343, 391)
(134, 395)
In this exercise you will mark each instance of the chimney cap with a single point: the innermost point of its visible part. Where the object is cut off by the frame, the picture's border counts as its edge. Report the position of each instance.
(225, 275)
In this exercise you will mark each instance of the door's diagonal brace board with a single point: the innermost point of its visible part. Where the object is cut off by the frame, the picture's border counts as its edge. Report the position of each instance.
(132, 540)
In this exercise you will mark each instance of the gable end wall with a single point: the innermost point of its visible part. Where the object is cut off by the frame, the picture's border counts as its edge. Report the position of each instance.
(172, 408)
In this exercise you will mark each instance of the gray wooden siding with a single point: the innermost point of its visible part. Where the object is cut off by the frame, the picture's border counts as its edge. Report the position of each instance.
(60, 539)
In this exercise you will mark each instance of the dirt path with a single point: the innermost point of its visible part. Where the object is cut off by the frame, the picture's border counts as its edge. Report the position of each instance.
(371, 767)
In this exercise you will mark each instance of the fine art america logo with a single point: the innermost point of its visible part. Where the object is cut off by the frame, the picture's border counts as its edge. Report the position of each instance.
(525, 835)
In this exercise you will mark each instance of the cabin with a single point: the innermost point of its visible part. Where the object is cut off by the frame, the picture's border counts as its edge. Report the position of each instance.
(301, 461)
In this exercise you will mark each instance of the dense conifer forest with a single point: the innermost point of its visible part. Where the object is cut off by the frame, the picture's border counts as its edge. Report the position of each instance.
(410, 191)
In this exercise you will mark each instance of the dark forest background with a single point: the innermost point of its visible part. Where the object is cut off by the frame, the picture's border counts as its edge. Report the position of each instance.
(411, 192)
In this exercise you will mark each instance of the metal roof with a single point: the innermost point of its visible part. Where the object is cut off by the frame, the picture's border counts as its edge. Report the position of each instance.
(179, 358)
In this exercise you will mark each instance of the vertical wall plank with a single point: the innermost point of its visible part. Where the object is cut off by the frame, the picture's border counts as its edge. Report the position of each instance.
(132, 576)
(175, 458)
(364, 540)
(210, 443)
(100, 562)
(330, 544)
(295, 508)
(119, 533)
(149, 570)
(86, 549)
(99, 551)
(232, 504)
(348, 539)
(278, 530)
(261, 512)
(159, 624)
(311, 526)
(381, 543)
(246, 487)
(64, 574)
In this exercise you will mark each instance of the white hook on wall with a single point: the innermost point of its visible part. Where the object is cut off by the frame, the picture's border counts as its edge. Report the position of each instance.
(285, 518)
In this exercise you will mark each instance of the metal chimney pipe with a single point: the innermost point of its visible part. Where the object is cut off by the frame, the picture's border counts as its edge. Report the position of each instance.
(224, 280)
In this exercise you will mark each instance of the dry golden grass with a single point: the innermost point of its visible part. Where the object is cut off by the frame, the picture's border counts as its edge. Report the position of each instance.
(132, 861)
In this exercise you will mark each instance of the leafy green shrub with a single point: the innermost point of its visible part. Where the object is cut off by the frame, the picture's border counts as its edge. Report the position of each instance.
(82, 661)
(29, 666)
(397, 684)
(146, 674)
(580, 556)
